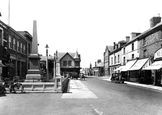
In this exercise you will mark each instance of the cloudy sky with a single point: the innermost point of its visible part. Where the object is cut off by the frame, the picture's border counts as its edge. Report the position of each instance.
(83, 25)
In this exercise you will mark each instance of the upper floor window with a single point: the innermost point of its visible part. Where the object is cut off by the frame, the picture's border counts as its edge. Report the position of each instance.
(21, 48)
(64, 63)
(29, 49)
(14, 44)
(24, 49)
(1, 36)
(111, 60)
(144, 41)
(115, 60)
(69, 63)
(77, 63)
(132, 46)
(123, 60)
(144, 53)
(132, 56)
(118, 58)
(10, 41)
(18, 47)
(123, 50)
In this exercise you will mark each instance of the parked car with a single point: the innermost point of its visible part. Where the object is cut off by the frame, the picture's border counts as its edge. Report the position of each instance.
(117, 78)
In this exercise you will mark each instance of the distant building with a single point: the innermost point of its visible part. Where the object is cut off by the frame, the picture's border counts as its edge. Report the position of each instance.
(66, 63)
(99, 68)
(106, 54)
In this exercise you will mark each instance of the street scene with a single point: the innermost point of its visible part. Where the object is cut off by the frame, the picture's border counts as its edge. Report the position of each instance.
(94, 96)
(72, 57)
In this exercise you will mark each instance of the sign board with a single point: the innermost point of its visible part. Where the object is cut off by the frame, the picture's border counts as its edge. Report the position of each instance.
(158, 54)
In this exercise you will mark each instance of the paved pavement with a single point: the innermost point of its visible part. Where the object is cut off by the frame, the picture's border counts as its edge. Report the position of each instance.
(78, 90)
(158, 88)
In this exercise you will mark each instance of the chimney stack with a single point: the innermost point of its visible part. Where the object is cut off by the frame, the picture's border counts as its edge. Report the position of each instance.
(114, 45)
(154, 21)
(134, 34)
(127, 39)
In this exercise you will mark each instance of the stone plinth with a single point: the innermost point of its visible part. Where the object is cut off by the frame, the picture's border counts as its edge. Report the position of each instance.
(33, 75)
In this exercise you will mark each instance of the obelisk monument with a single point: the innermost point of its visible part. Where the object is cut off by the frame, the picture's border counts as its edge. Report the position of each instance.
(33, 73)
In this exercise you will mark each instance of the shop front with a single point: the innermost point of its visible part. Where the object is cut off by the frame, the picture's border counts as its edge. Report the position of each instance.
(124, 72)
(156, 68)
(156, 72)
(136, 75)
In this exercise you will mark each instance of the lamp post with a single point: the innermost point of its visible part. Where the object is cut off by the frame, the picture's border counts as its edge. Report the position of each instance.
(47, 72)
(54, 67)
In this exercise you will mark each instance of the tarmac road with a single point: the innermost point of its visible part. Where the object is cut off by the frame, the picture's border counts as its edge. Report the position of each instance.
(90, 97)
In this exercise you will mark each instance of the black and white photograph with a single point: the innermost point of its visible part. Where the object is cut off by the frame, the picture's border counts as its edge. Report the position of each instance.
(80, 57)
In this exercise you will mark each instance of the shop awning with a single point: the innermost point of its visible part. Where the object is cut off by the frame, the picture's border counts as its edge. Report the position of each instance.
(154, 66)
(2, 65)
(139, 64)
(128, 65)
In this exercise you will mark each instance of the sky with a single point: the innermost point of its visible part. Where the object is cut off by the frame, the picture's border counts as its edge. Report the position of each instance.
(86, 26)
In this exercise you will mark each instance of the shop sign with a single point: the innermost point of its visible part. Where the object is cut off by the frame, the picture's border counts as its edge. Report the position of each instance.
(158, 54)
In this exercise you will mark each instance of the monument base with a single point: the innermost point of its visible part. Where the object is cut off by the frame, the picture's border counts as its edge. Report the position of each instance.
(33, 75)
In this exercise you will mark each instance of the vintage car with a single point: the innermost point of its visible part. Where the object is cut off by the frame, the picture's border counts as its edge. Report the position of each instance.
(117, 78)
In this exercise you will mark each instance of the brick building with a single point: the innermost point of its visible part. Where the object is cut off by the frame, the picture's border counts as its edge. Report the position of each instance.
(14, 48)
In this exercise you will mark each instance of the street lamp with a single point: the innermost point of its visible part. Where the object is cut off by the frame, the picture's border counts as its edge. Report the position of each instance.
(54, 67)
(47, 72)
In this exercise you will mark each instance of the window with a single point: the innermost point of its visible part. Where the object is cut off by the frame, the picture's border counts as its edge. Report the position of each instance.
(144, 53)
(29, 49)
(132, 56)
(144, 41)
(18, 48)
(21, 48)
(14, 44)
(24, 50)
(132, 46)
(77, 63)
(123, 60)
(64, 63)
(115, 60)
(123, 50)
(10, 42)
(69, 63)
(111, 60)
(1, 36)
(118, 58)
